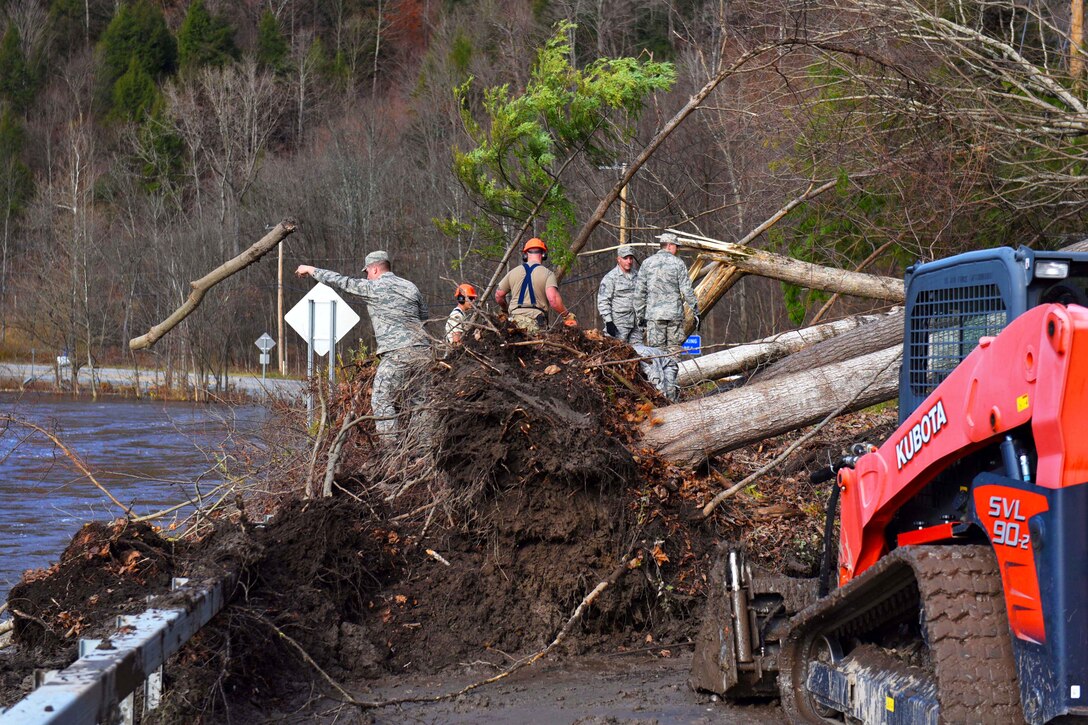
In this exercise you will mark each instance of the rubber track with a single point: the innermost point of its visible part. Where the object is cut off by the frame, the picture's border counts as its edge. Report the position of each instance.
(969, 638)
(966, 626)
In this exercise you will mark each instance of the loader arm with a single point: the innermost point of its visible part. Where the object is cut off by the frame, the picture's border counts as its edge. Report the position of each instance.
(1035, 370)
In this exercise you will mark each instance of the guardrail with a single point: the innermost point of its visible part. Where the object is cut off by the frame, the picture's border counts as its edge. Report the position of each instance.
(100, 685)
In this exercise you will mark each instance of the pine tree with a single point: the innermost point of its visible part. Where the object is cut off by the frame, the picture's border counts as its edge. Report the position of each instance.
(137, 30)
(134, 93)
(74, 22)
(160, 151)
(521, 145)
(16, 181)
(16, 79)
(271, 45)
(204, 40)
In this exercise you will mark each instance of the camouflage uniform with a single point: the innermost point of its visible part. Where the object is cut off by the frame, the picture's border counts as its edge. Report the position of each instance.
(397, 312)
(616, 303)
(657, 366)
(662, 290)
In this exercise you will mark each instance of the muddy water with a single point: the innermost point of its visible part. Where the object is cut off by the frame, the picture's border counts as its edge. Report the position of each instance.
(149, 455)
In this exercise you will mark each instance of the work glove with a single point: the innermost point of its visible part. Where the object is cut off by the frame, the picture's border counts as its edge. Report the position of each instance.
(569, 320)
(697, 321)
(611, 329)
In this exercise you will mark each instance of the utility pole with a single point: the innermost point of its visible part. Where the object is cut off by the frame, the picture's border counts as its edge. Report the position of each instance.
(1076, 40)
(622, 168)
(623, 207)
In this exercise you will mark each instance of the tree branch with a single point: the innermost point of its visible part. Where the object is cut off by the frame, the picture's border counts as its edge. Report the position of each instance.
(217, 275)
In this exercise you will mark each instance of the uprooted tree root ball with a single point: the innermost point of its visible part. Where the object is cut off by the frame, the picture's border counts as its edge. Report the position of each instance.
(515, 484)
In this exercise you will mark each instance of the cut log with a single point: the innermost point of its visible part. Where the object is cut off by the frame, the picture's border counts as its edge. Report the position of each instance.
(690, 432)
(877, 334)
(794, 271)
(760, 352)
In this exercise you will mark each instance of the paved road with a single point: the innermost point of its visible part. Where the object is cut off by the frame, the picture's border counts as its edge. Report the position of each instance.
(586, 690)
(249, 383)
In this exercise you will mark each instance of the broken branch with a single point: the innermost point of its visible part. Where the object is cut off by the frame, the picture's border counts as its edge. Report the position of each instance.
(201, 286)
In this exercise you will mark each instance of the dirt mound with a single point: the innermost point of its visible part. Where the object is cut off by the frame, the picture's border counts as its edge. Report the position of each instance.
(106, 570)
(515, 485)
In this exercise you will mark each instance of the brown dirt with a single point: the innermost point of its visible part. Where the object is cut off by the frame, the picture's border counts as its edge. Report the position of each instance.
(532, 487)
(106, 570)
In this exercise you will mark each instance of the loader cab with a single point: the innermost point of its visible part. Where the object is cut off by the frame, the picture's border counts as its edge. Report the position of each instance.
(951, 303)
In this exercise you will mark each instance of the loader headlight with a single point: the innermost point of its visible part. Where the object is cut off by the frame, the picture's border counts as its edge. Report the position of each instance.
(1049, 269)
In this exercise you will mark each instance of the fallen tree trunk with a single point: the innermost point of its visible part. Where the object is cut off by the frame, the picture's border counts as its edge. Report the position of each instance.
(201, 286)
(723, 276)
(794, 271)
(690, 432)
(752, 354)
(879, 333)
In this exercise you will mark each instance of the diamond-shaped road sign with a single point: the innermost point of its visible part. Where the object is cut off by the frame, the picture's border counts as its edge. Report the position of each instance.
(298, 317)
(265, 342)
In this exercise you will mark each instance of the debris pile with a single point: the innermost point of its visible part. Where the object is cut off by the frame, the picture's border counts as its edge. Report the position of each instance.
(514, 486)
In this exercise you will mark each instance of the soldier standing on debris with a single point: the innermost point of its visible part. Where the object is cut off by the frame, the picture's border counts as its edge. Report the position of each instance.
(661, 291)
(616, 298)
(397, 312)
(465, 294)
(537, 290)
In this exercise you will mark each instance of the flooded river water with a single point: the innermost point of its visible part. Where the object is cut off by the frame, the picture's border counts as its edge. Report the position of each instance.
(149, 455)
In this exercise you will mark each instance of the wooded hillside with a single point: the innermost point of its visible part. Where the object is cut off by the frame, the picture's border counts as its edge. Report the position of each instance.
(145, 143)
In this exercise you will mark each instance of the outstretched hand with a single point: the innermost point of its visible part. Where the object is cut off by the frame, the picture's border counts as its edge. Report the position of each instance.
(304, 270)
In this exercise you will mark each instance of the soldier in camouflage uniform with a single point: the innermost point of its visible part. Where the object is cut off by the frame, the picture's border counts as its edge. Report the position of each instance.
(661, 291)
(616, 298)
(658, 366)
(397, 312)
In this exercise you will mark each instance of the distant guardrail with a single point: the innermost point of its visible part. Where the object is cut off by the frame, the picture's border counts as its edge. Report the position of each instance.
(99, 687)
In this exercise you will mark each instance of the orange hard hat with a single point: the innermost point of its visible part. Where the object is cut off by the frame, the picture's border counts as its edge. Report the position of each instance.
(465, 290)
(532, 244)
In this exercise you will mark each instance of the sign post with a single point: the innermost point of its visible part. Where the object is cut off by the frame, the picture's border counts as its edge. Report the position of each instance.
(321, 331)
(332, 347)
(264, 343)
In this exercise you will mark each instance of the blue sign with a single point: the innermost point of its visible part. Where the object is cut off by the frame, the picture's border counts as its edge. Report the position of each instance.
(693, 345)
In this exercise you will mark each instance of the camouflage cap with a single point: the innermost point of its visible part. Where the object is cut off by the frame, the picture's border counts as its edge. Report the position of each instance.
(668, 238)
(625, 250)
(375, 257)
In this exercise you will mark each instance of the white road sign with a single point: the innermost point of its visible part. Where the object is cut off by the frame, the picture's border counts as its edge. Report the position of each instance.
(298, 317)
(265, 342)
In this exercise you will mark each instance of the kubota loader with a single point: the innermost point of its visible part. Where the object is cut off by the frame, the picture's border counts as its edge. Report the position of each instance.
(962, 576)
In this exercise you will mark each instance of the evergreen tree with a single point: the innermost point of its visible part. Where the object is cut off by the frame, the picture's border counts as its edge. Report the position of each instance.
(74, 22)
(159, 151)
(16, 79)
(16, 181)
(204, 40)
(139, 31)
(134, 93)
(271, 45)
(523, 141)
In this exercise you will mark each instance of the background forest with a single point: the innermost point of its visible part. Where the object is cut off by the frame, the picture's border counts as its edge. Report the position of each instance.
(143, 143)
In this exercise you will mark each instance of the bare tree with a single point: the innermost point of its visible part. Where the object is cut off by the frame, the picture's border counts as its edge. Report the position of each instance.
(227, 116)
